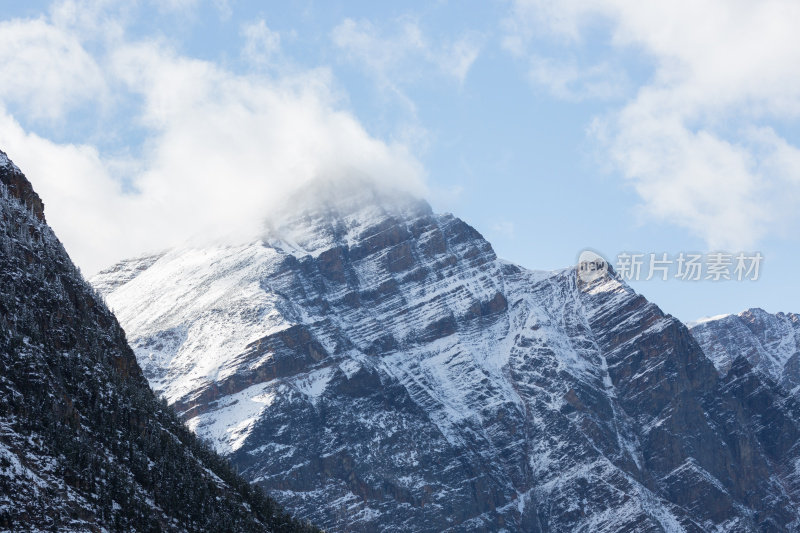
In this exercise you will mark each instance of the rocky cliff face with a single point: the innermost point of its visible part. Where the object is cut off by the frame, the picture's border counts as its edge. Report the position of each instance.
(378, 368)
(771, 343)
(84, 443)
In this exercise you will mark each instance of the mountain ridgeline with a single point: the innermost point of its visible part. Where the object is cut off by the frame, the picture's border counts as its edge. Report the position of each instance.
(375, 366)
(84, 443)
(770, 342)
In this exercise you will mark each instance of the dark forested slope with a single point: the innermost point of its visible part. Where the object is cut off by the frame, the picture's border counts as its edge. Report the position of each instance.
(84, 443)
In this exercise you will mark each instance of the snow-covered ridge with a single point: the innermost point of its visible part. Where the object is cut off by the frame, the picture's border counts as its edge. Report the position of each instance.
(123, 272)
(705, 319)
(226, 312)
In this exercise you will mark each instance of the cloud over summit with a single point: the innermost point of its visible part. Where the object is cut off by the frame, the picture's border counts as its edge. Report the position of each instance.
(220, 149)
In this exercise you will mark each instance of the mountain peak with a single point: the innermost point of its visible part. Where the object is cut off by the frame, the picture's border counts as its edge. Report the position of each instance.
(325, 214)
(385, 357)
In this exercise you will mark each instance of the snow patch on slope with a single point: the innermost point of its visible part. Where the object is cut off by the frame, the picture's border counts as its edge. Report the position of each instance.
(314, 383)
(233, 419)
(195, 322)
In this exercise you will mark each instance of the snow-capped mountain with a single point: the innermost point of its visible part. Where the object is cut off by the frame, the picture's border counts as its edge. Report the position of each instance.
(770, 342)
(376, 367)
(84, 443)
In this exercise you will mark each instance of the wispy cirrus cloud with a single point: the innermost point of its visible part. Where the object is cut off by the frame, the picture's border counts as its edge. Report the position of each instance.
(400, 58)
(404, 54)
(261, 42)
(565, 79)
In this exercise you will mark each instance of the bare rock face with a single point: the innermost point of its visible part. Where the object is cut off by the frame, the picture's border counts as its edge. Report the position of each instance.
(84, 443)
(376, 367)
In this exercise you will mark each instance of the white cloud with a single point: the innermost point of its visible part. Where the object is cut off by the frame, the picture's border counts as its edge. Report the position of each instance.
(82, 201)
(261, 43)
(566, 80)
(402, 57)
(224, 8)
(183, 6)
(91, 19)
(45, 69)
(695, 140)
(456, 58)
(222, 152)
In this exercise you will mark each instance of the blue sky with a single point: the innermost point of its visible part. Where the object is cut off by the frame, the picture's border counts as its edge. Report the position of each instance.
(549, 126)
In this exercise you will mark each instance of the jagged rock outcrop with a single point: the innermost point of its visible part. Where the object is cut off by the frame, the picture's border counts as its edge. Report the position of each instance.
(376, 367)
(84, 443)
